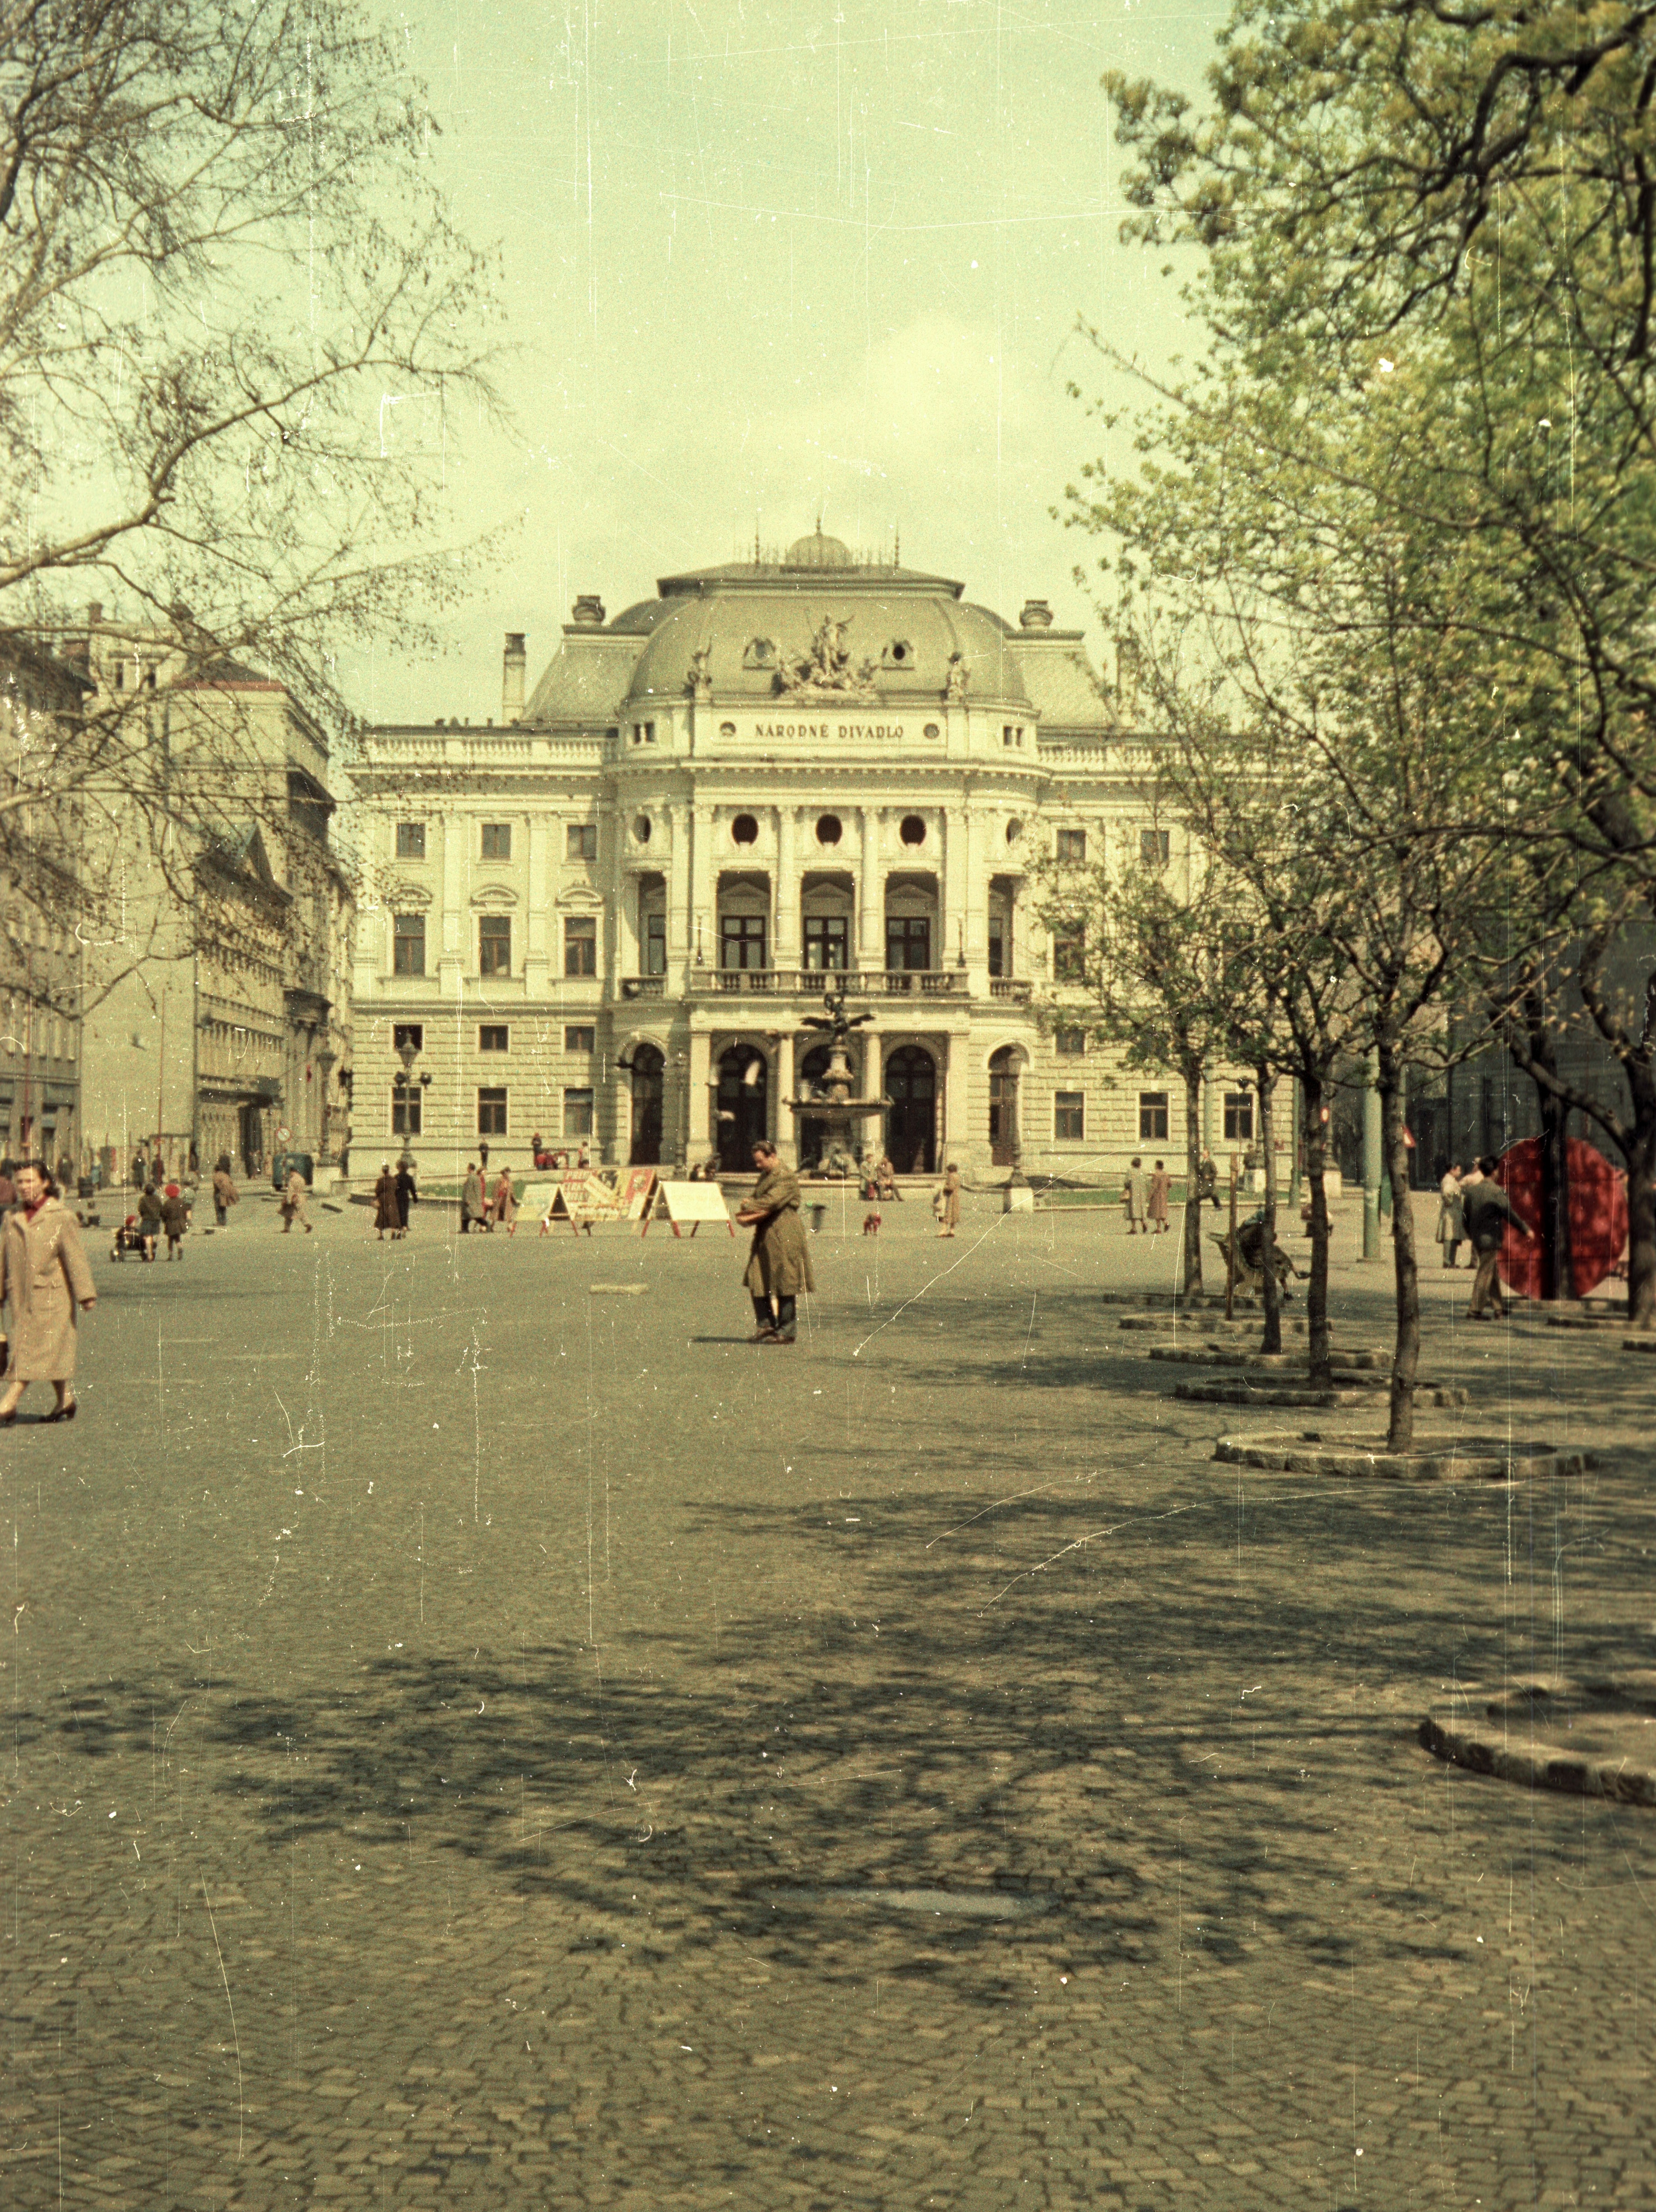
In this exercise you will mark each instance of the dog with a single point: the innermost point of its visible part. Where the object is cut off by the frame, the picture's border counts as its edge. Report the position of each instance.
(871, 1224)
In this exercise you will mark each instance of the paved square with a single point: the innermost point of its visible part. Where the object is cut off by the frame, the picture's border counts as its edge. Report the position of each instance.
(476, 1741)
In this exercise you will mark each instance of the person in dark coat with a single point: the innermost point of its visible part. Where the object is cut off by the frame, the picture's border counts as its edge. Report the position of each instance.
(779, 1262)
(407, 1197)
(44, 1276)
(1488, 1210)
(225, 1194)
(385, 1202)
(474, 1207)
(175, 1219)
(148, 1219)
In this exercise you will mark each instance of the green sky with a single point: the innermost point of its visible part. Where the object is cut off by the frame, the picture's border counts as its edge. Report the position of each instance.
(766, 258)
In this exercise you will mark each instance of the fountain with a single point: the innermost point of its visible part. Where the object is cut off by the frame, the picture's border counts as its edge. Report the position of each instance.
(831, 1100)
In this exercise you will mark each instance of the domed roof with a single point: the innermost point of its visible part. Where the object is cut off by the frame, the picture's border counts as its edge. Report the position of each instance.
(906, 641)
(817, 551)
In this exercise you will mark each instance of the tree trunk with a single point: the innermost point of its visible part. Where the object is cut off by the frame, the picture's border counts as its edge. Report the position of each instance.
(1265, 1077)
(1641, 1156)
(1316, 1328)
(1192, 1179)
(1405, 1358)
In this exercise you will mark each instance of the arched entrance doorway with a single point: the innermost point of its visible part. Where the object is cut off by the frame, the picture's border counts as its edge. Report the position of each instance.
(743, 1106)
(911, 1117)
(810, 1129)
(1003, 1107)
(648, 1063)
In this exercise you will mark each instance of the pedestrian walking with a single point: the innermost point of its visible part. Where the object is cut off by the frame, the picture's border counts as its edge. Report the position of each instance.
(406, 1196)
(175, 1219)
(385, 1202)
(293, 1205)
(1161, 1184)
(148, 1220)
(948, 1204)
(779, 1261)
(506, 1202)
(1488, 1210)
(474, 1207)
(225, 1194)
(1135, 1197)
(1451, 1215)
(44, 1277)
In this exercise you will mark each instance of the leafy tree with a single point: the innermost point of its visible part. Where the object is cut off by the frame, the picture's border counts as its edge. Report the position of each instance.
(236, 327)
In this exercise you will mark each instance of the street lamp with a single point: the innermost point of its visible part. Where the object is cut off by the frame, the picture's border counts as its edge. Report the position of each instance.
(408, 1094)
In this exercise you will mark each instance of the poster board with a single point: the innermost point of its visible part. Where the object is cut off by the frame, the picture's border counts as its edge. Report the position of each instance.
(688, 1202)
(580, 1197)
(635, 1190)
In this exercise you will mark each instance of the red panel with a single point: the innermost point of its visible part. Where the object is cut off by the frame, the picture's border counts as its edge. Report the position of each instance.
(1599, 1216)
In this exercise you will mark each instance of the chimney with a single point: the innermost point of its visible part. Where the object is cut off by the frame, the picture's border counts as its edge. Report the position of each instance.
(511, 688)
(94, 613)
(1036, 614)
(587, 612)
(1127, 678)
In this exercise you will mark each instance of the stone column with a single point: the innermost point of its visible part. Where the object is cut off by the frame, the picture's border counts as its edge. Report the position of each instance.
(956, 860)
(537, 958)
(680, 941)
(628, 961)
(454, 956)
(956, 1133)
(704, 919)
(785, 923)
(786, 1122)
(870, 896)
(699, 1119)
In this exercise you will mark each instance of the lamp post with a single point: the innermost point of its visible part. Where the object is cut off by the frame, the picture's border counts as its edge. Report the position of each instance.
(407, 1092)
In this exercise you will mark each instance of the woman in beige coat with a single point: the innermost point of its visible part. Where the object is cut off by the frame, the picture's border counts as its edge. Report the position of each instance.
(44, 1276)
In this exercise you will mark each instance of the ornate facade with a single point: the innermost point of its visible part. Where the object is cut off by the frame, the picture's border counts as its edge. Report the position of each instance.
(605, 918)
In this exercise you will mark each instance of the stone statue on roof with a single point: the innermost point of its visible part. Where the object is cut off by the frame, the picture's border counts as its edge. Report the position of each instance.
(826, 667)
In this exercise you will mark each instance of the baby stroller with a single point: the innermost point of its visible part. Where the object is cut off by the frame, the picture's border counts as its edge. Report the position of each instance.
(127, 1239)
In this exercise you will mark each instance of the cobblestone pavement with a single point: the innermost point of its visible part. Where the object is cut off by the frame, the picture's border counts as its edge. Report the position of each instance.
(475, 1740)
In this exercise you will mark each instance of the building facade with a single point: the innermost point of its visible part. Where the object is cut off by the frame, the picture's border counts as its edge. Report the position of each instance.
(218, 1015)
(607, 918)
(40, 702)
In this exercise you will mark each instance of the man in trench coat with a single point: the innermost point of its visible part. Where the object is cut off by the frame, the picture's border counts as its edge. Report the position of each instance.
(779, 1263)
(44, 1276)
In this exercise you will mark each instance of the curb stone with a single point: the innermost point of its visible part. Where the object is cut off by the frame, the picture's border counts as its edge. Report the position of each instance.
(1614, 1757)
(1446, 1459)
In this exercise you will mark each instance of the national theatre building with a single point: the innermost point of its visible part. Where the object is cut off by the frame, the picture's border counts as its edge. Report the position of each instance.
(607, 917)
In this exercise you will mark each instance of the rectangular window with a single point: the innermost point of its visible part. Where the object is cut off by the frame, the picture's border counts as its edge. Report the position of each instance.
(1153, 1116)
(405, 1111)
(411, 841)
(1068, 1116)
(494, 945)
(1155, 848)
(1012, 733)
(404, 1033)
(1070, 1044)
(580, 945)
(741, 940)
(408, 944)
(999, 964)
(577, 1113)
(581, 1037)
(827, 941)
(493, 1036)
(1239, 1117)
(496, 841)
(907, 941)
(1068, 958)
(1072, 847)
(655, 944)
(643, 734)
(581, 842)
(491, 1112)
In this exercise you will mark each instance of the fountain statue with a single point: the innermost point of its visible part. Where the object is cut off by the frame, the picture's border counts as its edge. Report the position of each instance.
(831, 1101)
